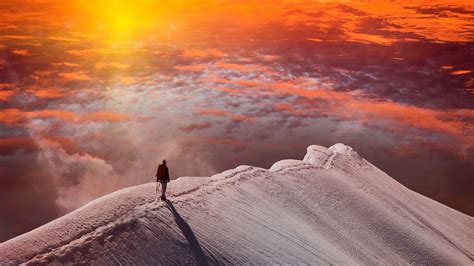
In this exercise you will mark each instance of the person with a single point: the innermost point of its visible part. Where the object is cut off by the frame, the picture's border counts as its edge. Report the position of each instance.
(163, 176)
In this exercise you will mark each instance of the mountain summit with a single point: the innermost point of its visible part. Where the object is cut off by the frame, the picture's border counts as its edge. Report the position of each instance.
(332, 207)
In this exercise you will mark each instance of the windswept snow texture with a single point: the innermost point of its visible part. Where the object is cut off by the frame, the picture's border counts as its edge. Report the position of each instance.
(333, 207)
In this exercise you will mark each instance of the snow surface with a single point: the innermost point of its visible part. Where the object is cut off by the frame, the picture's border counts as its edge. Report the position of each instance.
(333, 207)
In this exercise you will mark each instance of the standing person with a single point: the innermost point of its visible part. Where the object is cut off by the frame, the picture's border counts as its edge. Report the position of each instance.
(163, 176)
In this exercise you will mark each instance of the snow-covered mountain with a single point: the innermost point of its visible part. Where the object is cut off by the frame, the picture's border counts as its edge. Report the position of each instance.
(332, 207)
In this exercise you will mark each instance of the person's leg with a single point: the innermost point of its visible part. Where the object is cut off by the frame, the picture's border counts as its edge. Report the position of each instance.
(163, 189)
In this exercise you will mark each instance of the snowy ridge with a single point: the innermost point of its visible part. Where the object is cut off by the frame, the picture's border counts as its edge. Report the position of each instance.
(332, 207)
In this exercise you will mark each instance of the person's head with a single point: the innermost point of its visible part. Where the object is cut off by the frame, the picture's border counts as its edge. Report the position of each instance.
(164, 162)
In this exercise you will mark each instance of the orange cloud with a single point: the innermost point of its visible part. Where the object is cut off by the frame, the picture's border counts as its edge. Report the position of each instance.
(441, 121)
(48, 92)
(460, 72)
(72, 76)
(238, 145)
(246, 83)
(17, 37)
(242, 118)
(16, 117)
(195, 53)
(112, 64)
(43, 73)
(369, 38)
(470, 85)
(5, 95)
(447, 67)
(213, 112)
(103, 116)
(193, 67)
(58, 38)
(127, 80)
(11, 144)
(314, 39)
(196, 126)
(449, 27)
(343, 105)
(242, 83)
(7, 85)
(282, 106)
(230, 66)
(297, 87)
(270, 58)
(224, 113)
(227, 89)
(68, 64)
(99, 51)
(23, 52)
(348, 106)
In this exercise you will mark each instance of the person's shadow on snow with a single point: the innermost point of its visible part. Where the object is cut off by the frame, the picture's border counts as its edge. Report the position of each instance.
(188, 233)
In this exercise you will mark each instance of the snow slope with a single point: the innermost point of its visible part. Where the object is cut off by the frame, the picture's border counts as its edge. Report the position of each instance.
(332, 207)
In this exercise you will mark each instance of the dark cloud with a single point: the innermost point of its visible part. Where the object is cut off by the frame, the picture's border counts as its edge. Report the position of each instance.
(196, 126)
(28, 195)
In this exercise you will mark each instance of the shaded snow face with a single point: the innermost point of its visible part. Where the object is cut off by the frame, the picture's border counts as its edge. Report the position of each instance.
(93, 97)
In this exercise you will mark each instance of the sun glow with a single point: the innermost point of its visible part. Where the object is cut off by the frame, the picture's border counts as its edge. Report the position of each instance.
(125, 18)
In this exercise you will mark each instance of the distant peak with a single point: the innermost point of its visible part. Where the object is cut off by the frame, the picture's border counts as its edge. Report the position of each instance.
(342, 148)
(324, 157)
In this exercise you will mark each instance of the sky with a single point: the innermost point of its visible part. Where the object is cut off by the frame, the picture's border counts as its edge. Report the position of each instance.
(94, 95)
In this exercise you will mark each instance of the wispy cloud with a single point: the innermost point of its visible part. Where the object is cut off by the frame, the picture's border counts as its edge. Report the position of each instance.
(72, 76)
(23, 52)
(16, 117)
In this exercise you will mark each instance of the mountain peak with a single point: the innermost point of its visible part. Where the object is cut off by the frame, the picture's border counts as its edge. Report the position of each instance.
(332, 207)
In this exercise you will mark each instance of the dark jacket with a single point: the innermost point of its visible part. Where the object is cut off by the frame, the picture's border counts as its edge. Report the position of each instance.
(162, 174)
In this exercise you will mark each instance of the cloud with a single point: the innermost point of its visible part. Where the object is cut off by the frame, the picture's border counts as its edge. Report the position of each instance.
(224, 113)
(8, 146)
(63, 39)
(67, 64)
(231, 66)
(28, 195)
(460, 72)
(48, 92)
(199, 54)
(196, 126)
(16, 37)
(23, 52)
(235, 143)
(6, 94)
(103, 116)
(16, 117)
(43, 73)
(228, 90)
(347, 106)
(111, 65)
(193, 67)
(447, 67)
(98, 51)
(12, 145)
(74, 76)
(7, 85)
(368, 38)
(314, 39)
(79, 177)
(282, 107)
